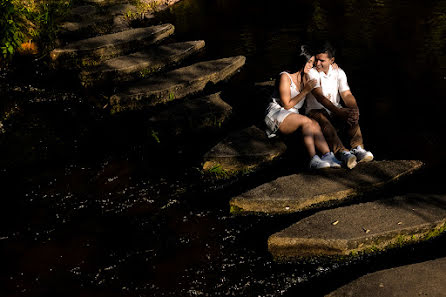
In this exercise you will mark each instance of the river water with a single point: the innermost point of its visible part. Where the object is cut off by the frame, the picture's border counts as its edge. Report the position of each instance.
(91, 206)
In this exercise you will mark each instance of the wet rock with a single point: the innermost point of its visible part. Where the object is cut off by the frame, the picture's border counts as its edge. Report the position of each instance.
(139, 64)
(362, 228)
(421, 279)
(242, 151)
(305, 190)
(91, 51)
(200, 115)
(175, 84)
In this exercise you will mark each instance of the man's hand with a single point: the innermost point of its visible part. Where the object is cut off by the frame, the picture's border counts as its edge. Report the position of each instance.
(349, 115)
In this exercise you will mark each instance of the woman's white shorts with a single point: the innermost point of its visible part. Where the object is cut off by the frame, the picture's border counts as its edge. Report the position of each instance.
(275, 115)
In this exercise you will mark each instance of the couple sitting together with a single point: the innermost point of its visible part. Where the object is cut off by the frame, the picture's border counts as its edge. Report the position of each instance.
(322, 88)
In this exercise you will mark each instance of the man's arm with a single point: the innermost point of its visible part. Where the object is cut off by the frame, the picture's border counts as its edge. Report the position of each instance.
(317, 93)
(350, 103)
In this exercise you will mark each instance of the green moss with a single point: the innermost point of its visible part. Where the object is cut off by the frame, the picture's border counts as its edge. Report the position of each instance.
(171, 96)
(218, 171)
(155, 136)
(148, 71)
(435, 232)
(235, 209)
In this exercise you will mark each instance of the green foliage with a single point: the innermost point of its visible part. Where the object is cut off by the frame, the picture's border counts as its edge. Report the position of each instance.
(11, 28)
(23, 20)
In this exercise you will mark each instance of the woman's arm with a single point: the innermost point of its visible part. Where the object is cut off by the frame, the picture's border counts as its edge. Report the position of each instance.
(285, 93)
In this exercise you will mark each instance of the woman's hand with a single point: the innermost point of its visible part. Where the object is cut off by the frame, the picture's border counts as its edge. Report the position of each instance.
(335, 66)
(309, 85)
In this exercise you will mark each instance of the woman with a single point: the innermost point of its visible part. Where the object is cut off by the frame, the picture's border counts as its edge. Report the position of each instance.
(283, 115)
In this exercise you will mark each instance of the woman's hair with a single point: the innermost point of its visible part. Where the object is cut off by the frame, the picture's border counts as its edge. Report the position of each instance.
(299, 62)
(304, 56)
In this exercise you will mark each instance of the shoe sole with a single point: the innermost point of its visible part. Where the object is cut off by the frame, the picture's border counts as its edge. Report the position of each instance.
(351, 162)
(335, 165)
(366, 159)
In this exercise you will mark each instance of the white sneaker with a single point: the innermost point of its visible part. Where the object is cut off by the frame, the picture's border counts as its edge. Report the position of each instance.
(348, 159)
(317, 163)
(362, 155)
(331, 159)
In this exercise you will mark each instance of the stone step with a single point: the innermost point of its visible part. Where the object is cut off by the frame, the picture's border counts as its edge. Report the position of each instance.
(91, 51)
(139, 64)
(199, 115)
(362, 228)
(420, 279)
(105, 2)
(82, 12)
(309, 189)
(242, 151)
(175, 84)
(87, 21)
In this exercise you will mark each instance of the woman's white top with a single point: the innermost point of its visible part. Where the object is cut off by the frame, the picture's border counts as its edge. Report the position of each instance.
(276, 113)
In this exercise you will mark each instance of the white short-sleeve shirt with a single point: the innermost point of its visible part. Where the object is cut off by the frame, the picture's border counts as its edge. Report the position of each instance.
(332, 83)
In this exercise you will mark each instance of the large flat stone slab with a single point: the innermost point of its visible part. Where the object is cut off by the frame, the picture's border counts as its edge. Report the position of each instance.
(175, 84)
(90, 51)
(362, 228)
(139, 64)
(305, 190)
(105, 2)
(421, 279)
(198, 115)
(242, 151)
(88, 21)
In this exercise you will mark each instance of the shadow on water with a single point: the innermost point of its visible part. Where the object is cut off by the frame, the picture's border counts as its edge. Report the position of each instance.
(93, 205)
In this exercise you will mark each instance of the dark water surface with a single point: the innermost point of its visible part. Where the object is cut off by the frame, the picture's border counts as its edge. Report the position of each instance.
(93, 206)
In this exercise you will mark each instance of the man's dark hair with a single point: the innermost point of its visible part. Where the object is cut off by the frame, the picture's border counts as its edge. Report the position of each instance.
(326, 48)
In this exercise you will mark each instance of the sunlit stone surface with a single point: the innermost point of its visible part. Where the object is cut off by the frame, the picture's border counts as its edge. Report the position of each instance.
(366, 227)
(305, 190)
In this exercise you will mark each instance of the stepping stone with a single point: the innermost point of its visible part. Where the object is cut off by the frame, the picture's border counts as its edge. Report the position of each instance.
(89, 52)
(140, 64)
(305, 190)
(362, 228)
(105, 2)
(175, 84)
(242, 151)
(191, 116)
(86, 27)
(87, 20)
(421, 279)
(84, 11)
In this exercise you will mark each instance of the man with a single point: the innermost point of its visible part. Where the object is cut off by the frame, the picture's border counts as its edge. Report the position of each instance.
(324, 105)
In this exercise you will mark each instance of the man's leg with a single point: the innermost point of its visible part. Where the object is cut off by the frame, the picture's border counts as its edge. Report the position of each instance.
(331, 136)
(355, 135)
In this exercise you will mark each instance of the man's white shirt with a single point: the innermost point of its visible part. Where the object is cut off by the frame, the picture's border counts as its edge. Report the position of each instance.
(332, 83)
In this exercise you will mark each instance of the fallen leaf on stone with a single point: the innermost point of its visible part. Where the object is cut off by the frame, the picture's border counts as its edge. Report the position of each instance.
(335, 223)
(365, 230)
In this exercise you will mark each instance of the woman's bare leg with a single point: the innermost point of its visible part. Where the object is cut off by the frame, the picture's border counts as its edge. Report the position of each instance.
(319, 139)
(295, 121)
